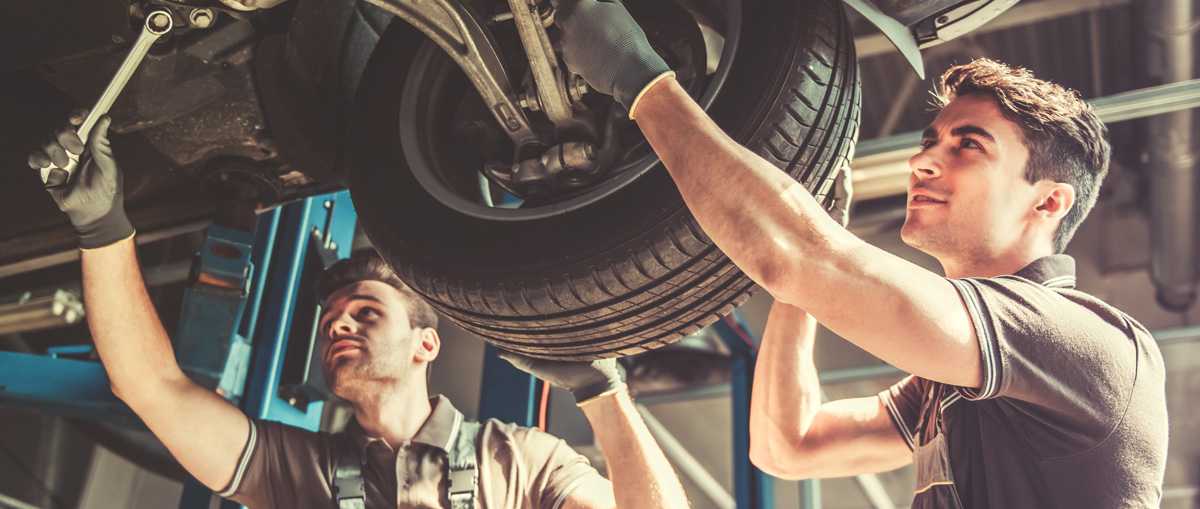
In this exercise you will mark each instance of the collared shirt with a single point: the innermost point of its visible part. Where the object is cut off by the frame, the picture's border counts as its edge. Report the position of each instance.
(518, 467)
(1071, 411)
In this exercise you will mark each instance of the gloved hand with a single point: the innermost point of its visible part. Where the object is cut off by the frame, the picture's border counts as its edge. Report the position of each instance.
(585, 379)
(602, 43)
(93, 200)
(843, 194)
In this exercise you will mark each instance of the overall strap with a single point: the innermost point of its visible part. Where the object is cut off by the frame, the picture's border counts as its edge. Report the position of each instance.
(348, 490)
(464, 472)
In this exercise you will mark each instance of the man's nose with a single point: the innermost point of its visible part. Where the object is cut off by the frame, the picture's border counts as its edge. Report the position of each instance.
(924, 165)
(341, 325)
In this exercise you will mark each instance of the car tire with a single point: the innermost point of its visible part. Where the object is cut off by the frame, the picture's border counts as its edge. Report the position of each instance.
(634, 271)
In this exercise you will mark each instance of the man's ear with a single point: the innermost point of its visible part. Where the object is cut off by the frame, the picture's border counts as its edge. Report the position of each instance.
(429, 344)
(1055, 199)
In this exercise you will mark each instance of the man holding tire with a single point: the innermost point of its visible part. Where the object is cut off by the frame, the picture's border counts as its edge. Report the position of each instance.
(1024, 392)
(377, 338)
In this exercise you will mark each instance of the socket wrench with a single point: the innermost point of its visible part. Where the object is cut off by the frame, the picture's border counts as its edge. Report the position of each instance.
(158, 23)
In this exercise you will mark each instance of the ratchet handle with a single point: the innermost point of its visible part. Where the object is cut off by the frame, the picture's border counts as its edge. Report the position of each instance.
(158, 23)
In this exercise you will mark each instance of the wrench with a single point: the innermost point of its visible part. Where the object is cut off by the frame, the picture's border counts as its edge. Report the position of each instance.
(158, 23)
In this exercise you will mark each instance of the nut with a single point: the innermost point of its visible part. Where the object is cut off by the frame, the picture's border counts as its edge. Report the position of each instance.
(201, 18)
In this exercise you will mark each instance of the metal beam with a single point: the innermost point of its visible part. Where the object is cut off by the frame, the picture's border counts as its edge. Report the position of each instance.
(688, 465)
(881, 164)
(70, 255)
(1022, 14)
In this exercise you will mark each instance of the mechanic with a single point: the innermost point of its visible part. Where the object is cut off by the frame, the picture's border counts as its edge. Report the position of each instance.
(377, 339)
(1024, 392)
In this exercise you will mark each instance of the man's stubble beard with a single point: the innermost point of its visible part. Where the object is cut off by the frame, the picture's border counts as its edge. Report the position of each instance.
(366, 374)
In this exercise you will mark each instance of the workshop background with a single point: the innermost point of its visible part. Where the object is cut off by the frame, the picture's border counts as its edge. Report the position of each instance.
(1137, 251)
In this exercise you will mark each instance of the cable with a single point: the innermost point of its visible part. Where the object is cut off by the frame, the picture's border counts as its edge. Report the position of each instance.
(543, 420)
(55, 502)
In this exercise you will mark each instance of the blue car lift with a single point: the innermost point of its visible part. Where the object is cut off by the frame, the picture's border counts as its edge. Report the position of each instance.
(246, 330)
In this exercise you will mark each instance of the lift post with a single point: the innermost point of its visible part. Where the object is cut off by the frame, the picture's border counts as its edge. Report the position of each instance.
(279, 311)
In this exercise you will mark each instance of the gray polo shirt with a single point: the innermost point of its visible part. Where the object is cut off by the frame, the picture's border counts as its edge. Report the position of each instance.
(1072, 409)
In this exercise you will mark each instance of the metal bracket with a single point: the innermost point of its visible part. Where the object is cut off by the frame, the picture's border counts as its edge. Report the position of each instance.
(459, 34)
(543, 64)
(209, 346)
(895, 31)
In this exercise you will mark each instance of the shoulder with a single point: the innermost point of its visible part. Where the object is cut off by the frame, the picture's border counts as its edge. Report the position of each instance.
(513, 435)
(1047, 311)
(527, 445)
(276, 456)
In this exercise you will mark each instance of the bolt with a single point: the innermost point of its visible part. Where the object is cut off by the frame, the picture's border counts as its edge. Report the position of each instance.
(328, 204)
(578, 88)
(160, 20)
(942, 20)
(529, 102)
(201, 18)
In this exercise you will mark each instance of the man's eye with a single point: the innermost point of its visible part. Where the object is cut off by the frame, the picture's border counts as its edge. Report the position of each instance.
(927, 143)
(969, 143)
(367, 313)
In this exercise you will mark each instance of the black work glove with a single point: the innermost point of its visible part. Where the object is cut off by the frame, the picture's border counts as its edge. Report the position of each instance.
(93, 200)
(585, 379)
(602, 43)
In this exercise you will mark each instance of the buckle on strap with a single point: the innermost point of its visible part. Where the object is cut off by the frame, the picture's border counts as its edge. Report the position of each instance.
(464, 473)
(348, 488)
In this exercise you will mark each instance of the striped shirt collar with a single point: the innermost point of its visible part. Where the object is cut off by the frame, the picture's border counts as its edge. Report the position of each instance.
(1054, 271)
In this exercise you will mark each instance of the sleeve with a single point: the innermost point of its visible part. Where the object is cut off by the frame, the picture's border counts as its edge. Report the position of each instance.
(903, 403)
(556, 469)
(1068, 361)
(275, 461)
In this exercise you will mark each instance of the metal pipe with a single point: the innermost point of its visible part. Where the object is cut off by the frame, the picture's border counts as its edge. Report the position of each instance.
(686, 463)
(15, 503)
(1170, 159)
(873, 489)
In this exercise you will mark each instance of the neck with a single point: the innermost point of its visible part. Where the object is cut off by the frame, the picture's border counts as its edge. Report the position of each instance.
(394, 413)
(994, 264)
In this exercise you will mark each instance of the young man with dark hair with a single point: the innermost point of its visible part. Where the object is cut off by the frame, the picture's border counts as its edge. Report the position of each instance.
(1024, 392)
(376, 340)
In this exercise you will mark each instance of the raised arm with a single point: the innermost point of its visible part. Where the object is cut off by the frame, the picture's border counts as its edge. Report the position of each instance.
(793, 435)
(202, 430)
(640, 473)
(772, 228)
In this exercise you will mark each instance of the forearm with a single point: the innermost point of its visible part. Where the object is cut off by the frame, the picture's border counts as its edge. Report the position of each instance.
(133, 346)
(639, 471)
(787, 393)
(768, 223)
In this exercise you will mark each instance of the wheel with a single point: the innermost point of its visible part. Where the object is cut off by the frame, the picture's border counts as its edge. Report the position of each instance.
(612, 266)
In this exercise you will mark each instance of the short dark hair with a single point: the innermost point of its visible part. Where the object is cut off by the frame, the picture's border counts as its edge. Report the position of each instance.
(367, 265)
(1066, 140)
